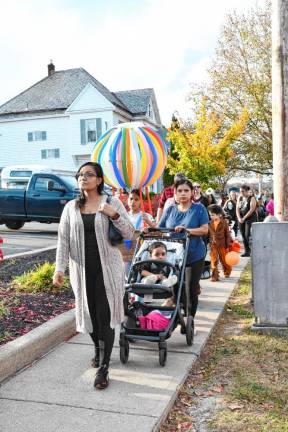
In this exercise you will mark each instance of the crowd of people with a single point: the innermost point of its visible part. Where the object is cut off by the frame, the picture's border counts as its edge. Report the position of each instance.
(96, 266)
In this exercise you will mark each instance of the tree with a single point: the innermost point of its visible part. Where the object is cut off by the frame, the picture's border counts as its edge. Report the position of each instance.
(202, 149)
(240, 78)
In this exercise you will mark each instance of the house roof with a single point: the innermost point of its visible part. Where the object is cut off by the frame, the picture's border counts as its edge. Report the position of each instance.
(55, 93)
(136, 101)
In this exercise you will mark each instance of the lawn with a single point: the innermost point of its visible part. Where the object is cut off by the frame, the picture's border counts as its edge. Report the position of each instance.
(239, 382)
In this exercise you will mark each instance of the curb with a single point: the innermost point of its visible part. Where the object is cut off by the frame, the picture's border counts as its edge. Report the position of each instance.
(27, 253)
(24, 350)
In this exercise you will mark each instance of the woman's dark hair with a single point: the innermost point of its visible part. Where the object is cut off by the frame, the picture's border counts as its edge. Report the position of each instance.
(216, 209)
(213, 199)
(135, 191)
(156, 245)
(183, 181)
(80, 201)
(245, 188)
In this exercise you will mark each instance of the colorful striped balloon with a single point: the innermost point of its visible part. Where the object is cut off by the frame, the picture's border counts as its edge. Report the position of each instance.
(132, 155)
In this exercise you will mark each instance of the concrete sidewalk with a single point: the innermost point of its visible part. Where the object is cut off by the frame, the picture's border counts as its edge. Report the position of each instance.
(56, 393)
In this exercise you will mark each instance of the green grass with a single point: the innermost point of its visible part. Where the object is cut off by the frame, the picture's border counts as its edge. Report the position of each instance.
(38, 280)
(3, 309)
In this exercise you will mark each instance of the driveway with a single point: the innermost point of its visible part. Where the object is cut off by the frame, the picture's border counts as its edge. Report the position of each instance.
(32, 236)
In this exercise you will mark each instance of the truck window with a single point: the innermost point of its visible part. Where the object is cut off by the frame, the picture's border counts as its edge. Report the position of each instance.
(41, 184)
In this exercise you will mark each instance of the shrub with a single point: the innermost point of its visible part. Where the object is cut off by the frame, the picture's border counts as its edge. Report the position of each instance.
(39, 280)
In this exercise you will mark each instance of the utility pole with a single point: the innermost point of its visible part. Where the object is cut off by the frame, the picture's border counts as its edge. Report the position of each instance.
(280, 106)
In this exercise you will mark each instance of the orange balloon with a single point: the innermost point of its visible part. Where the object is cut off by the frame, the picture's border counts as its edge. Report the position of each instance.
(232, 258)
(235, 246)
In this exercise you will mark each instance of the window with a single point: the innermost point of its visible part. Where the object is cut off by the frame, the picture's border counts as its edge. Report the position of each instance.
(37, 136)
(106, 126)
(90, 130)
(20, 173)
(41, 184)
(50, 154)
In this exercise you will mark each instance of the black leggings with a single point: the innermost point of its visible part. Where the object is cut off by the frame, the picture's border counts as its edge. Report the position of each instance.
(193, 275)
(245, 229)
(100, 315)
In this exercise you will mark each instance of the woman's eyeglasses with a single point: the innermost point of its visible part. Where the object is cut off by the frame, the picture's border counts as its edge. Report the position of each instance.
(86, 175)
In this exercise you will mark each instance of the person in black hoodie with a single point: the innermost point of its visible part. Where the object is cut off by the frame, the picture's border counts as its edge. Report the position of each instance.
(246, 211)
(230, 209)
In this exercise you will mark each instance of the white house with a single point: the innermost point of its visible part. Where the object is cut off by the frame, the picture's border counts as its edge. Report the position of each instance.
(57, 121)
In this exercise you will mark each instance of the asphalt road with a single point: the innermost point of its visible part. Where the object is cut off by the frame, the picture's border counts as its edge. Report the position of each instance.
(32, 236)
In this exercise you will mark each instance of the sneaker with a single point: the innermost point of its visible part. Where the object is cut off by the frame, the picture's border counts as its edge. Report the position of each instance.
(214, 279)
(170, 281)
(102, 378)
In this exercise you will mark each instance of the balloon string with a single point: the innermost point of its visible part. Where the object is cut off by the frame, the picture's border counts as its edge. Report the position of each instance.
(148, 199)
(142, 204)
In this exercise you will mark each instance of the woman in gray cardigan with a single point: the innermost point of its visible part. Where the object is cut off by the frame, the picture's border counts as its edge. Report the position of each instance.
(96, 267)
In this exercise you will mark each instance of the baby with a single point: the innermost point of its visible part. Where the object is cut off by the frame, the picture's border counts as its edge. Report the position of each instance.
(153, 272)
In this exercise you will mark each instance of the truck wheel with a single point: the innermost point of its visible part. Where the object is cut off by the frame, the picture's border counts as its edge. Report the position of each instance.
(14, 225)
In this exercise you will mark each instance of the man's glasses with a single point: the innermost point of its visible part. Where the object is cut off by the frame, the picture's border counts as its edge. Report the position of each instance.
(197, 187)
(86, 175)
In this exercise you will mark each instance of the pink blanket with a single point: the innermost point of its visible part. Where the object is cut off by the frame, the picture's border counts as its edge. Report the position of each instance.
(153, 321)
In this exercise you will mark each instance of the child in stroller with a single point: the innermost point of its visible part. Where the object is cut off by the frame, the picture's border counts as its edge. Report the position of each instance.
(152, 272)
(160, 255)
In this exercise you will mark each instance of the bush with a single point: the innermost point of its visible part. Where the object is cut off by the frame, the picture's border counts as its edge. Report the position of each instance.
(39, 280)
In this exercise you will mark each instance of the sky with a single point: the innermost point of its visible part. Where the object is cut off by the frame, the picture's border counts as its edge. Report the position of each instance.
(125, 44)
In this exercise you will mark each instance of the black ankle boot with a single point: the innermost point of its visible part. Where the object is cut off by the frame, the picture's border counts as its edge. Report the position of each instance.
(95, 362)
(102, 378)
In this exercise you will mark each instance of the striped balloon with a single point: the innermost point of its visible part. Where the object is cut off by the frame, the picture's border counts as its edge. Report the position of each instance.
(132, 155)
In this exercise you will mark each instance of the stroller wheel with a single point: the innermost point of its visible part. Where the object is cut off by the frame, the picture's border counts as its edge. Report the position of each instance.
(189, 330)
(124, 351)
(162, 355)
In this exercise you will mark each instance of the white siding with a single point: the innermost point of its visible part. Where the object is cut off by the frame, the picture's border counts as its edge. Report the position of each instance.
(90, 99)
(75, 146)
(15, 147)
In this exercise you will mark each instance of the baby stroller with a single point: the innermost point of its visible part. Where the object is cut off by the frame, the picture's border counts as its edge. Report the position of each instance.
(177, 247)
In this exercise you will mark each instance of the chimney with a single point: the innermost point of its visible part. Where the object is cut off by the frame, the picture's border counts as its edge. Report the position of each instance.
(51, 68)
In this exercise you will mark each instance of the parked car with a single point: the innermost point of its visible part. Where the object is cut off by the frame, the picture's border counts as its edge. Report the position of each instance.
(43, 200)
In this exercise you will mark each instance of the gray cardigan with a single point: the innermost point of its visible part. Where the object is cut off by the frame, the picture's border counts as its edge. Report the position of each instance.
(71, 248)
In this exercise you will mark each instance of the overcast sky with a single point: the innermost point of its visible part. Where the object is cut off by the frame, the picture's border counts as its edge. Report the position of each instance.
(125, 44)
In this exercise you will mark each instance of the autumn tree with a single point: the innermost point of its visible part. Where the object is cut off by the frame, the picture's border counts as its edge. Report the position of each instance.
(202, 149)
(240, 78)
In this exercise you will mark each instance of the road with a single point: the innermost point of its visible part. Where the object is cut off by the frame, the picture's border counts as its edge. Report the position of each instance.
(32, 236)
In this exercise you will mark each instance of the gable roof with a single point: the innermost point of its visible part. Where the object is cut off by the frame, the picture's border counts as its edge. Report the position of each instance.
(56, 92)
(136, 101)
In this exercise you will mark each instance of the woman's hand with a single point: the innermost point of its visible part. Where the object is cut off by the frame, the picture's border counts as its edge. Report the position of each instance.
(108, 210)
(180, 228)
(58, 279)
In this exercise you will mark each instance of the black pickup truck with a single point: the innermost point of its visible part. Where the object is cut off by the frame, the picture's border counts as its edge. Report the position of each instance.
(42, 201)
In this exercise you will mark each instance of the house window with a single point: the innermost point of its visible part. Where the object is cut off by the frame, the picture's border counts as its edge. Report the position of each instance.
(106, 126)
(50, 154)
(37, 136)
(90, 130)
